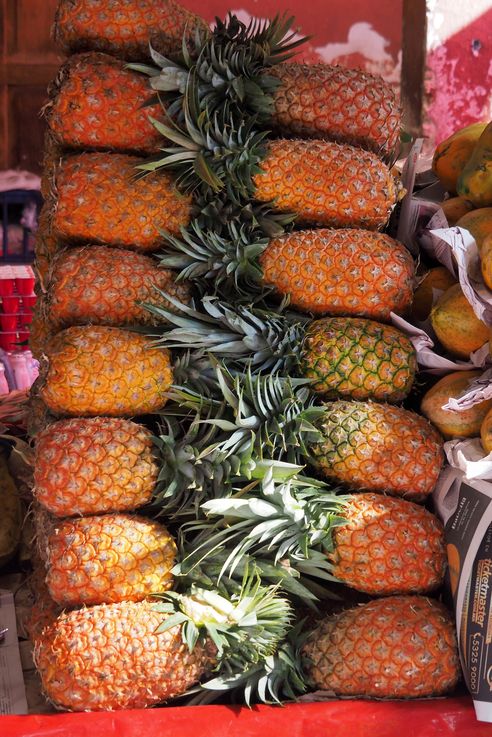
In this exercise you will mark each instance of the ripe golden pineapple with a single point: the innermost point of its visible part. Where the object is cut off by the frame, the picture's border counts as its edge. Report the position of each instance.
(112, 656)
(104, 371)
(94, 465)
(326, 183)
(46, 244)
(398, 647)
(380, 448)
(105, 286)
(388, 546)
(340, 272)
(333, 102)
(124, 28)
(108, 558)
(101, 201)
(97, 103)
(355, 358)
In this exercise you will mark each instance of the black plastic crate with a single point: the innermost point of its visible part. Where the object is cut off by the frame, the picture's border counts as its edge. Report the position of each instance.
(20, 210)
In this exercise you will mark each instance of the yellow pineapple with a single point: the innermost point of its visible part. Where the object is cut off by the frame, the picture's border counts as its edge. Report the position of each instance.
(94, 465)
(101, 201)
(106, 286)
(113, 656)
(97, 103)
(104, 371)
(108, 558)
(398, 647)
(124, 28)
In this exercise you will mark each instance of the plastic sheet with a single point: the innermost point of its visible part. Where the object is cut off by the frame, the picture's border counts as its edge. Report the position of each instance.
(427, 718)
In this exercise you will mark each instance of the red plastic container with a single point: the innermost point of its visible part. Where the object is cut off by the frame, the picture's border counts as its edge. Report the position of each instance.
(25, 285)
(8, 341)
(25, 318)
(9, 321)
(28, 301)
(10, 303)
(23, 337)
(6, 287)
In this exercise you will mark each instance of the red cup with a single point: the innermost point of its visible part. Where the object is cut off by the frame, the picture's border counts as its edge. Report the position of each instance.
(25, 285)
(6, 287)
(28, 301)
(23, 336)
(8, 341)
(8, 322)
(25, 318)
(10, 304)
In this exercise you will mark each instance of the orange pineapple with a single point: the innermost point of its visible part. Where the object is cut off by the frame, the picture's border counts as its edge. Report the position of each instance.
(97, 103)
(113, 656)
(326, 183)
(340, 272)
(108, 558)
(345, 105)
(104, 371)
(398, 647)
(94, 465)
(124, 28)
(380, 448)
(101, 201)
(105, 286)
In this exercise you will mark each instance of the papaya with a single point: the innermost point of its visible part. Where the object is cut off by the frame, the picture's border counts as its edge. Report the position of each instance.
(436, 278)
(457, 327)
(478, 222)
(452, 154)
(455, 208)
(475, 181)
(486, 432)
(486, 260)
(453, 424)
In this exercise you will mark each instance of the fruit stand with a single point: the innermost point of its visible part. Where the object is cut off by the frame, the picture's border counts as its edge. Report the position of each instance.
(256, 462)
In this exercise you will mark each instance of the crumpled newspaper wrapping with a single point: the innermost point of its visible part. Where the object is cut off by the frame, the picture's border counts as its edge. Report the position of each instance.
(469, 457)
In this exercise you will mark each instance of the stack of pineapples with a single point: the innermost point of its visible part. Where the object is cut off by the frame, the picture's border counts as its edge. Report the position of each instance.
(282, 361)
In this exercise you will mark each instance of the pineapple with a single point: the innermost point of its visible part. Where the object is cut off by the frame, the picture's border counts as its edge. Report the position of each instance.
(124, 28)
(355, 358)
(378, 447)
(108, 558)
(399, 647)
(44, 610)
(376, 544)
(104, 371)
(344, 357)
(113, 656)
(344, 105)
(97, 103)
(344, 271)
(106, 286)
(101, 201)
(46, 244)
(94, 465)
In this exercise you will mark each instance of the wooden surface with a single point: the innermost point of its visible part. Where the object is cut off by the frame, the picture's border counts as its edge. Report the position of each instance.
(28, 62)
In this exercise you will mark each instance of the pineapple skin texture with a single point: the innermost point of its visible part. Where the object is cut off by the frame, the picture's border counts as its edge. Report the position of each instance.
(377, 447)
(354, 358)
(98, 104)
(398, 647)
(94, 466)
(326, 183)
(343, 105)
(112, 657)
(123, 28)
(100, 201)
(341, 272)
(101, 285)
(389, 546)
(104, 371)
(109, 558)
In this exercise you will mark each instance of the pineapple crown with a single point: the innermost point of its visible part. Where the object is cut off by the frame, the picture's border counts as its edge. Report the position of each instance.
(244, 337)
(288, 523)
(231, 65)
(248, 628)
